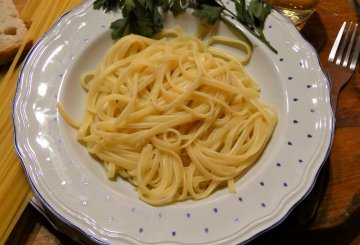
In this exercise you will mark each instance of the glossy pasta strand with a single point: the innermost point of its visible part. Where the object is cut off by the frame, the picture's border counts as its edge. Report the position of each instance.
(175, 116)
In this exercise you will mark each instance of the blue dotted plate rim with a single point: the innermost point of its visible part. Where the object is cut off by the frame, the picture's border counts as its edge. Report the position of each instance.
(173, 233)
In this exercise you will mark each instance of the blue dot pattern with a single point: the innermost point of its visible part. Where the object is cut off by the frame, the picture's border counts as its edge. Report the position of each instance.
(280, 166)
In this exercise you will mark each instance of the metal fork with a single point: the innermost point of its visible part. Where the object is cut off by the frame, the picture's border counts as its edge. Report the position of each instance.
(342, 62)
(342, 68)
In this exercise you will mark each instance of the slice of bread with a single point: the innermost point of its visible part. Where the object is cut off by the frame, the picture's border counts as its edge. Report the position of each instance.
(12, 31)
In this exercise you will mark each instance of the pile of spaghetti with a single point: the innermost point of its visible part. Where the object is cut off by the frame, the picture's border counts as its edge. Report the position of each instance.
(175, 116)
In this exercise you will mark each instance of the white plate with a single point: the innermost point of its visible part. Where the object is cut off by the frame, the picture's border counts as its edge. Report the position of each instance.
(74, 187)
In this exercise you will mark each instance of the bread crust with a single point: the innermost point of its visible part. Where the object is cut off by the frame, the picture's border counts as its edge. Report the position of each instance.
(13, 31)
(8, 54)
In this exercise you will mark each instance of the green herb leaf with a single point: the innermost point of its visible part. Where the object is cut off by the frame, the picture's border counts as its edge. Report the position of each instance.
(157, 19)
(141, 27)
(209, 13)
(240, 8)
(258, 11)
(141, 2)
(148, 4)
(141, 22)
(164, 4)
(127, 6)
(118, 27)
(175, 7)
(253, 18)
(107, 5)
(143, 17)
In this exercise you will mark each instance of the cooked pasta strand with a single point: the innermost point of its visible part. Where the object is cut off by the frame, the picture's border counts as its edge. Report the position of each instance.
(174, 116)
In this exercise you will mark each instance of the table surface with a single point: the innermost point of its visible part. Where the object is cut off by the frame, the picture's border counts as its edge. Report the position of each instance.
(338, 217)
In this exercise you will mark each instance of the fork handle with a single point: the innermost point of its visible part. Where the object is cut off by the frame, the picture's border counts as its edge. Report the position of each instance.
(336, 81)
(334, 98)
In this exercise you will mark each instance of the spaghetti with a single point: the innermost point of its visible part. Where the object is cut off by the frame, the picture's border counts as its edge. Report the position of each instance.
(174, 116)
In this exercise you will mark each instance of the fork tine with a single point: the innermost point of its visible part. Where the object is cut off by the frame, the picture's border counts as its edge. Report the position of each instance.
(354, 59)
(347, 56)
(343, 44)
(336, 43)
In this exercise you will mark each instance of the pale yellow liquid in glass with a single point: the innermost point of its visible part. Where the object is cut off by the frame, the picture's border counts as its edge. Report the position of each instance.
(297, 10)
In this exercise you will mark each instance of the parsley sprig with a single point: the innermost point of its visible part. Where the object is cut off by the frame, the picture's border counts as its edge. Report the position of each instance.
(144, 17)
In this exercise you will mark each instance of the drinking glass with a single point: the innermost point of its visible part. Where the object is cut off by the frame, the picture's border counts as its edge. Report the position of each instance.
(298, 11)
